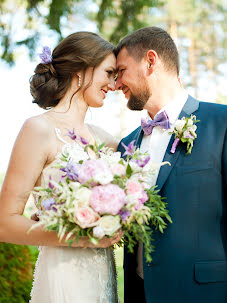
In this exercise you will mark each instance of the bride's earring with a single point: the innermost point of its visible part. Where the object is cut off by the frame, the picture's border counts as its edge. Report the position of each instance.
(79, 80)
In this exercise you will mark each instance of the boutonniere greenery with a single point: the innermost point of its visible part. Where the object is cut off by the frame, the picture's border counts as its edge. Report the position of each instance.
(184, 130)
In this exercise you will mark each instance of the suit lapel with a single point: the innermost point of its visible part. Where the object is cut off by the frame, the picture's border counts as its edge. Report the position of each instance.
(139, 137)
(190, 107)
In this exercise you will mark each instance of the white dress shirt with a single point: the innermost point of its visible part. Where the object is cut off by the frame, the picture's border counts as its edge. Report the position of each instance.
(156, 144)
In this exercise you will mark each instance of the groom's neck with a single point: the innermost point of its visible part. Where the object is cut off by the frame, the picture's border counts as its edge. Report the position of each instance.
(163, 92)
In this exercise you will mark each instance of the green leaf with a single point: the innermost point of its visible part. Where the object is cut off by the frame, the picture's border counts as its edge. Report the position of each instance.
(129, 171)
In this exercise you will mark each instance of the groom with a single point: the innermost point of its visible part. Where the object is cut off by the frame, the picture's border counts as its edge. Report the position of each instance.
(190, 260)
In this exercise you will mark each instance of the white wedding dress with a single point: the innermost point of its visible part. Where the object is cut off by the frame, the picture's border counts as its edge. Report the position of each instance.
(73, 275)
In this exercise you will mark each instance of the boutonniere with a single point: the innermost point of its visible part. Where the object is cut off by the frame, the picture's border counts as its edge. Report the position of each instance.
(184, 131)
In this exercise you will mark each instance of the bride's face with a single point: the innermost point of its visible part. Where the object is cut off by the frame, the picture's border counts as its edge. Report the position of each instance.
(102, 80)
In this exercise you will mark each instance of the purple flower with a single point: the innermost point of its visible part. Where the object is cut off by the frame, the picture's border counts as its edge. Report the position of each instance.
(124, 214)
(51, 186)
(83, 141)
(141, 163)
(72, 134)
(188, 135)
(47, 203)
(174, 146)
(71, 170)
(130, 149)
(45, 56)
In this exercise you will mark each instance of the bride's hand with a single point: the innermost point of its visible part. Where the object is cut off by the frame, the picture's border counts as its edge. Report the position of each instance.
(105, 242)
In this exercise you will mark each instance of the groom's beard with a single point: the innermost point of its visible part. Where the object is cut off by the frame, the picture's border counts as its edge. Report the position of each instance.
(138, 101)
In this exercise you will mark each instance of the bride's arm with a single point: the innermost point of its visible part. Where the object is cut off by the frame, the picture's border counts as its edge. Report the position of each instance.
(30, 154)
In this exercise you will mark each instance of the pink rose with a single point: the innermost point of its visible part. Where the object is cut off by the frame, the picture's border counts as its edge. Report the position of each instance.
(133, 187)
(86, 217)
(107, 199)
(92, 168)
(118, 169)
(141, 200)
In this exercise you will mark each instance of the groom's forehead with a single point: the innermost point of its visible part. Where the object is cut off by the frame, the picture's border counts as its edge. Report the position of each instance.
(123, 57)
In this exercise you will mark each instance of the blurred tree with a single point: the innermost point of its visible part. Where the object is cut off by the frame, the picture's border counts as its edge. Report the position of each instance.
(199, 29)
(23, 21)
(118, 18)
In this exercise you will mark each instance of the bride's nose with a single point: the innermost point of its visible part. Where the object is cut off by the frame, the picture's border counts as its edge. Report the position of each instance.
(111, 85)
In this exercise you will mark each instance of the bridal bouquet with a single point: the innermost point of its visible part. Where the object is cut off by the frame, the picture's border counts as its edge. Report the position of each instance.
(99, 193)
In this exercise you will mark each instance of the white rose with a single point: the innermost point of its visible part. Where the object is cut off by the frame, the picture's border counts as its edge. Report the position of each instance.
(193, 128)
(82, 196)
(111, 158)
(73, 154)
(180, 124)
(98, 232)
(74, 186)
(190, 122)
(103, 178)
(135, 167)
(109, 224)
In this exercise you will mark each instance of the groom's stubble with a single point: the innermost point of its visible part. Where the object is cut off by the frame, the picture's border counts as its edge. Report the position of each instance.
(138, 101)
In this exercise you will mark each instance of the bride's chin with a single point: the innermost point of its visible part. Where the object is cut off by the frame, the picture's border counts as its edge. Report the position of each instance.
(97, 104)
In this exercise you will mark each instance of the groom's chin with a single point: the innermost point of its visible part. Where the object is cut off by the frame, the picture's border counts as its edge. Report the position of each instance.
(135, 104)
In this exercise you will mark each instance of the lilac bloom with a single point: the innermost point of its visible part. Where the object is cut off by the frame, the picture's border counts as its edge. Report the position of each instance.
(188, 135)
(130, 149)
(45, 56)
(72, 134)
(71, 170)
(124, 214)
(83, 141)
(141, 163)
(174, 146)
(51, 186)
(47, 203)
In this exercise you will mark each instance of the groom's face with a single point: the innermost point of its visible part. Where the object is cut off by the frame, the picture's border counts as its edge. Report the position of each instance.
(132, 81)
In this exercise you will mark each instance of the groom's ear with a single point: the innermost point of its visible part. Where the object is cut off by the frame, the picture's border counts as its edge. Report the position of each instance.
(151, 59)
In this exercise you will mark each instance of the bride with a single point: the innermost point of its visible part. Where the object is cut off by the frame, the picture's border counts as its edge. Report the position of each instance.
(77, 75)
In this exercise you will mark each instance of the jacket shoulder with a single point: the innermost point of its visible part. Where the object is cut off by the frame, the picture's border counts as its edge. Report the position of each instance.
(214, 108)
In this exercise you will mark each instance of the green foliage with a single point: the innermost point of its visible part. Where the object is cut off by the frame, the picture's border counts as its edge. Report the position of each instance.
(124, 16)
(16, 271)
(135, 231)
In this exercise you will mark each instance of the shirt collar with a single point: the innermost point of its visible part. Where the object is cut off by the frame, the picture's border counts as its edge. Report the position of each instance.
(174, 107)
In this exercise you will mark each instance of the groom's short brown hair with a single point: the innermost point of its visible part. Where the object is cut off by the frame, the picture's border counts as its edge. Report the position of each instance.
(140, 41)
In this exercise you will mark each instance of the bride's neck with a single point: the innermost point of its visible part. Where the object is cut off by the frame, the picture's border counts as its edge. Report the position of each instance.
(74, 111)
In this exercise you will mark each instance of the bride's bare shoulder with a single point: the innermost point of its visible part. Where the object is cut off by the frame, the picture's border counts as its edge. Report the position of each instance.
(104, 136)
(38, 126)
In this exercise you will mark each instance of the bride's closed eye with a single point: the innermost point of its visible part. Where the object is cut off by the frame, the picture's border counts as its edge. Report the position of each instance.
(109, 72)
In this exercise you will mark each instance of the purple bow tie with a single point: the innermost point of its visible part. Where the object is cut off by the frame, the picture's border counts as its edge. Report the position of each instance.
(161, 120)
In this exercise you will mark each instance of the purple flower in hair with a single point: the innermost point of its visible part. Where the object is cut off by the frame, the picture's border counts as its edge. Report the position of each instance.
(130, 149)
(45, 56)
(71, 170)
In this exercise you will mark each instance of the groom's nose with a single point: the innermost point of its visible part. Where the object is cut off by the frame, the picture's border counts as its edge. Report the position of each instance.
(118, 84)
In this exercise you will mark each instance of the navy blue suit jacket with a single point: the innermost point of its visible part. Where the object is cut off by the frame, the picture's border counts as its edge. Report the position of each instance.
(190, 259)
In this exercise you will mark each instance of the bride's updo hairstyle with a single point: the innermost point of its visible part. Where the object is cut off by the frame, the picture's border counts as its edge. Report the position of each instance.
(75, 53)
